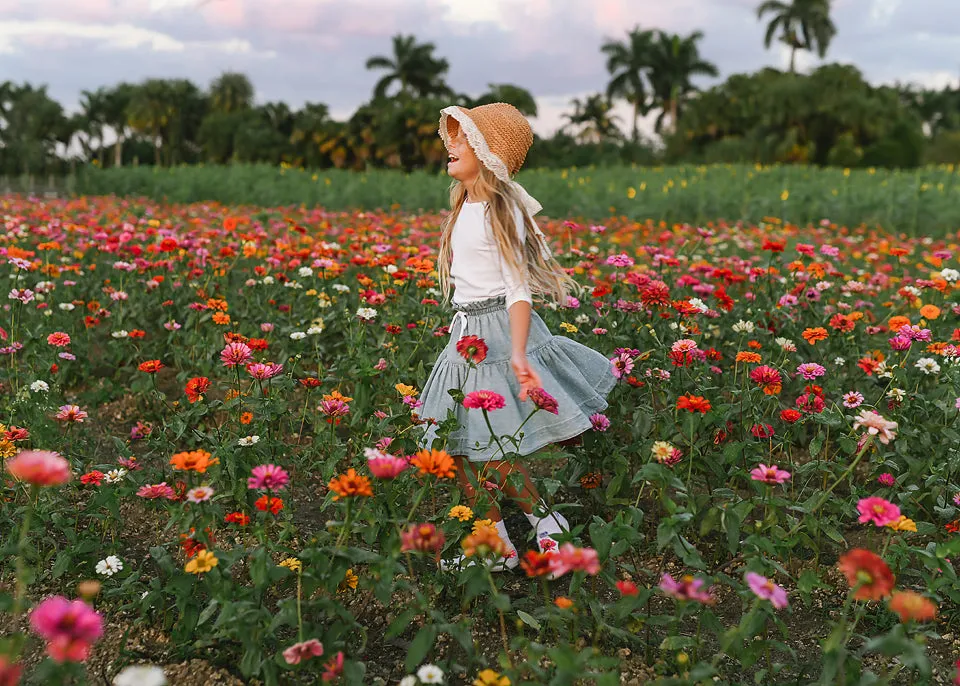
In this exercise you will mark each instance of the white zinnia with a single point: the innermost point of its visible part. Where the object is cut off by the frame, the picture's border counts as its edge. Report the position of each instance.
(119, 334)
(267, 281)
(66, 307)
(743, 327)
(39, 386)
(366, 313)
(248, 440)
(341, 288)
(109, 566)
(430, 674)
(949, 275)
(297, 336)
(927, 365)
(409, 680)
(114, 475)
(304, 272)
(897, 394)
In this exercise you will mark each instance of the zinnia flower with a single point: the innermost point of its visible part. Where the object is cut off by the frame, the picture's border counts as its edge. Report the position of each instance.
(600, 422)
(70, 628)
(484, 400)
(535, 563)
(196, 387)
(39, 468)
(303, 651)
(268, 477)
(765, 589)
(155, 491)
(627, 588)
(424, 538)
(200, 494)
(203, 562)
(484, 542)
(876, 425)
(769, 475)
(193, 461)
(693, 403)
(151, 366)
(472, 349)
(877, 510)
(621, 365)
(911, 605)
(349, 485)
(71, 413)
(686, 588)
(384, 465)
(235, 353)
(768, 379)
(437, 463)
(570, 558)
(544, 400)
(867, 571)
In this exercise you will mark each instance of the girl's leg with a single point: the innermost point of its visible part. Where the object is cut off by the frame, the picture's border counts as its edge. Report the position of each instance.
(468, 489)
(525, 497)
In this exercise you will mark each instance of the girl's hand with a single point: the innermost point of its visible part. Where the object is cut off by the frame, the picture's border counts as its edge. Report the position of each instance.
(526, 376)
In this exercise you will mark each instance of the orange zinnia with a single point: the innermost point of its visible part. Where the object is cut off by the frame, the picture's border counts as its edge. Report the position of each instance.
(193, 461)
(898, 322)
(693, 403)
(929, 311)
(563, 603)
(230, 224)
(868, 573)
(221, 318)
(484, 542)
(350, 484)
(910, 605)
(751, 358)
(151, 366)
(817, 333)
(435, 462)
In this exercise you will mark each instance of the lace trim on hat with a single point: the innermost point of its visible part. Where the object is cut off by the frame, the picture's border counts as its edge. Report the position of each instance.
(475, 139)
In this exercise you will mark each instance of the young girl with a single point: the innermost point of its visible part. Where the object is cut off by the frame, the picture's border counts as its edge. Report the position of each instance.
(497, 258)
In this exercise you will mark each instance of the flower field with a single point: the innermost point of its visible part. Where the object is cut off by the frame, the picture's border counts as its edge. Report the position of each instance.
(211, 465)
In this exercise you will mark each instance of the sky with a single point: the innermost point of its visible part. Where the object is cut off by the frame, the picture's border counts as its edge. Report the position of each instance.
(315, 50)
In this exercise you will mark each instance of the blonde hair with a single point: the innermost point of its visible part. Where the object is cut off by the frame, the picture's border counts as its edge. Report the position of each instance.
(544, 275)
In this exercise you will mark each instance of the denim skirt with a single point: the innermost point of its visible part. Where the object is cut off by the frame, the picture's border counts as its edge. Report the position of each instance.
(578, 377)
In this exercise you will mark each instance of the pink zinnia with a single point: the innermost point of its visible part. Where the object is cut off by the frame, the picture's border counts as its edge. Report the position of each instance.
(261, 370)
(886, 479)
(334, 408)
(686, 588)
(811, 370)
(769, 475)
(621, 365)
(684, 345)
(426, 538)
(600, 422)
(59, 339)
(333, 667)
(155, 491)
(852, 399)
(200, 494)
(484, 400)
(235, 353)
(268, 477)
(303, 651)
(70, 628)
(71, 413)
(876, 425)
(39, 467)
(765, 589)
(900, 343)
(544, 401)
(570, 558)
(877, 510)
(384, 465)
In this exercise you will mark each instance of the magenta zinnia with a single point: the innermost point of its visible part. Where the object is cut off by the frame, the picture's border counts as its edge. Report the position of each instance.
(769, 474)
(384, 465)
(877, 510)
(268, 477)
(544, 400)
(484, 400)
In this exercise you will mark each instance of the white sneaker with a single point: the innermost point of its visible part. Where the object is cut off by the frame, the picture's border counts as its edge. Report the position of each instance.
(551, 524)
(502, 564)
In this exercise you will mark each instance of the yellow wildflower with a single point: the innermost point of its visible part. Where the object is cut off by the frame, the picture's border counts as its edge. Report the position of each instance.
(569, 328)
(350, 580)
(903, 523)
(405, 390)
(488, 677)
(483, 524)
(292, 563)
(203, 562)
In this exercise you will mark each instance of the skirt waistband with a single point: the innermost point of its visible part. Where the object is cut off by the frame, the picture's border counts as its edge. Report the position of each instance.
(481, 306)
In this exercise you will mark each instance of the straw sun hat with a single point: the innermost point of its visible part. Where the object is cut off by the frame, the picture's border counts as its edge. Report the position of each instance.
(500, 137)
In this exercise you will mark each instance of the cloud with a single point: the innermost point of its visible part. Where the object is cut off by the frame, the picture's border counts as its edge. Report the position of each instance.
(315, 50)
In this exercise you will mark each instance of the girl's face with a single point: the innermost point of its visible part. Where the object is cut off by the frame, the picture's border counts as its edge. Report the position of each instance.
(462, 163)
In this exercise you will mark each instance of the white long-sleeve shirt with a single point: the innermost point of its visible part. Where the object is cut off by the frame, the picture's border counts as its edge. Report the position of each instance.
(478, 270)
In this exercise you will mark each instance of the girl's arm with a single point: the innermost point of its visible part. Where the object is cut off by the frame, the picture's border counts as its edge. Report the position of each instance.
(519, 303)
(528, 379)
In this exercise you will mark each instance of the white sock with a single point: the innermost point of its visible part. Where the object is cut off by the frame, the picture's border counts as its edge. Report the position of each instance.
(505, 535)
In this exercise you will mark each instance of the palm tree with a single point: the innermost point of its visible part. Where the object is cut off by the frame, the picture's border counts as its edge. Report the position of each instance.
(593, 117)
(627, 62)
(231, 92)
(413, 66)
(115, 106)
(92, 120)
(150, 111)
(803, 25)
(674, 61)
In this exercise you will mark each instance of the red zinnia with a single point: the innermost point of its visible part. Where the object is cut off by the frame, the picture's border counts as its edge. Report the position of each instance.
(535, 563)
(544, 400)
(151, 366)
(238, 518)
(790, 416)
(693, 403)
(273, 504)
(868, 571)
(196, 387)
(93, 477)
(472, 349)
(768, 379)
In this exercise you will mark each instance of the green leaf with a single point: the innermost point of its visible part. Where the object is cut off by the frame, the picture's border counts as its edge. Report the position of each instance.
(528, 620)
(816, 445)
(400, 623)
(420, 646)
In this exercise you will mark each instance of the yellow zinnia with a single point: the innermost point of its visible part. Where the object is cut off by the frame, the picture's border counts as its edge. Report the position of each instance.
(203, 562)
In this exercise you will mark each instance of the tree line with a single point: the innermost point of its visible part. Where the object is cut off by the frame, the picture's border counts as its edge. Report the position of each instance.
(831, 116)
